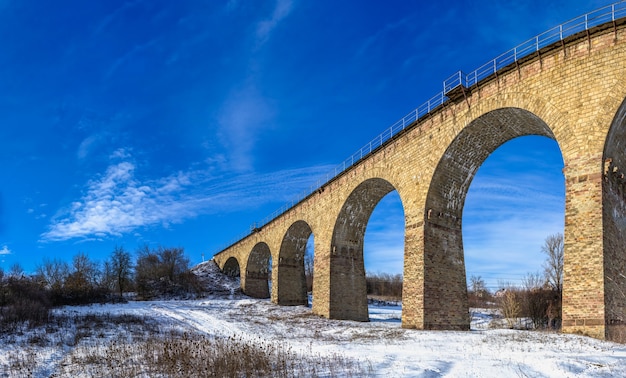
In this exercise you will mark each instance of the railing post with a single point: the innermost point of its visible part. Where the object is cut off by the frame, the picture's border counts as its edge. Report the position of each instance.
(537, 43)
(613, 12)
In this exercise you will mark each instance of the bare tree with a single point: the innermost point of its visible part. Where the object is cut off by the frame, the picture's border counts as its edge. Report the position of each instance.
(119, 267)
(477, 286)
(533, 281)
(80, 284)
(308, 268)
(553, 266)
(52, 274)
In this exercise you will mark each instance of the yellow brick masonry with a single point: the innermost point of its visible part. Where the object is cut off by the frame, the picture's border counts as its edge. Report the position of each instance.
(570, 93)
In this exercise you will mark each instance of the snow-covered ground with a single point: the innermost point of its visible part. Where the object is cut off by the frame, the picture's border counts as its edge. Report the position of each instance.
(381, 345)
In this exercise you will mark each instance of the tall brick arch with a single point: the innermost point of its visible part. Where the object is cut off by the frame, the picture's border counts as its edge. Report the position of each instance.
(444, 270)
(291, 285)
(572, 92)
(348, 291)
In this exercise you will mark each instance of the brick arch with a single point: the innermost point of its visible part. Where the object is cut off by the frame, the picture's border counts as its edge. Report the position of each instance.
(231, 267)
(291, 278)
(557, 125)
(445, 293)
(348, 292)
(257, 271)
(614, 222)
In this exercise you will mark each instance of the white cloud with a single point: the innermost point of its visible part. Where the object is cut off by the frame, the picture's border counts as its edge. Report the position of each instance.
(121, 154)
(118, 202)
(5, 251)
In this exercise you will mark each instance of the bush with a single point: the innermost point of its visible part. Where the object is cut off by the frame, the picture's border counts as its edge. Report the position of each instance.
(511, 308)
(22, 299)
(164, 272)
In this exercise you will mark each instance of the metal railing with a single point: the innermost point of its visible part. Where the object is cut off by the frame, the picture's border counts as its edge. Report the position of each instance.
(579, 24)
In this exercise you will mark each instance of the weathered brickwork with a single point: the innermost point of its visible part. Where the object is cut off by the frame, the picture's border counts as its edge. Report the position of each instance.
(573, 94)
(614, 220)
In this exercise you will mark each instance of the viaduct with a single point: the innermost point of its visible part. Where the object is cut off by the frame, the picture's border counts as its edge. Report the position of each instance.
(568, 84)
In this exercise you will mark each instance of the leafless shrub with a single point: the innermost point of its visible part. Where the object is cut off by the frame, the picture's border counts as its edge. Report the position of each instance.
(511, 309)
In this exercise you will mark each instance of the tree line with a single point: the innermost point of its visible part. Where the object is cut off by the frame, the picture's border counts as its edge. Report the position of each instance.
(155, 273)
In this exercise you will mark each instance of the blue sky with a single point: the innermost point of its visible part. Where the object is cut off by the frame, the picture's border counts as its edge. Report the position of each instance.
(181, 123)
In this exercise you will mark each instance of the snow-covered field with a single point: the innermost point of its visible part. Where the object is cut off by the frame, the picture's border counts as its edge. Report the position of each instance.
(381, 344)
(82, 335)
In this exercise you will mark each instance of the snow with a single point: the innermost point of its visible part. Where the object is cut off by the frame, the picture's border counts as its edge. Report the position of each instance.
(381, 344)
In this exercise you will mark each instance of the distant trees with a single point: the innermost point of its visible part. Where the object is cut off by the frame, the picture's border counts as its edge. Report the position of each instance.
(164, 271)
(478, 294)
(29, 297)
(387, 286)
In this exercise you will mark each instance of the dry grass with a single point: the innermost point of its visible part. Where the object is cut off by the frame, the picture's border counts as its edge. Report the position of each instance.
(133, 346)
(194, 355)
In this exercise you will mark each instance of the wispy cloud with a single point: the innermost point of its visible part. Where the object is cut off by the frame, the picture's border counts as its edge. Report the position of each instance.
(119, 202)
(129, 56)
(265, 27)
(242, 117)
(5, 251)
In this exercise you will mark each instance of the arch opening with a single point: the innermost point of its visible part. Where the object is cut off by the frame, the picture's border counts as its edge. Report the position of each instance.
(292, 283)
(383, 250)
(614, 227)
(258, 272)
(348, 288)
(231, 267)
(514, 204)
(445, 296)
